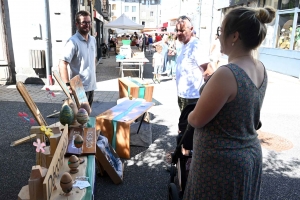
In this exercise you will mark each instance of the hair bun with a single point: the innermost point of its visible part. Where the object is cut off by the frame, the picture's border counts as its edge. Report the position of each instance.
(265, 15)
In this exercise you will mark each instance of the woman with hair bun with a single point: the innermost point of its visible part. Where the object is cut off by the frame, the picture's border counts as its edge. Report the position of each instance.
(227, 156)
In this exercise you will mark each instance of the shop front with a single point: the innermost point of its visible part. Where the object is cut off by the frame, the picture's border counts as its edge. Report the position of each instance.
(98, 27)
(280, 51)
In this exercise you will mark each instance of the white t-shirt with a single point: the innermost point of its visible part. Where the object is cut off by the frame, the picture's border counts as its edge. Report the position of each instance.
(158, 59)
(189, 76)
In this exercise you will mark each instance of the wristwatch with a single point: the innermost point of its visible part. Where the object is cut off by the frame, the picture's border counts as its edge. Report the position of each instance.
(68, 84)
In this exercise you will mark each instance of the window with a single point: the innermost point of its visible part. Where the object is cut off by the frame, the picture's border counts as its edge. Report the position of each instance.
(153, 1)
(273, 3)
(133, 8)
(114, 7)
(151, 13)
(126, 8)
(288, 4)
(133, 19)
(286, 30)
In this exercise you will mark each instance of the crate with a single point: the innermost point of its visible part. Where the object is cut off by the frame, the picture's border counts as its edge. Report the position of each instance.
(133, 86)
(126, 42)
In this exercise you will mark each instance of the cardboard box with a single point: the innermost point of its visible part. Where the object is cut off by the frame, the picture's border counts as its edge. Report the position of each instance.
(134, 86)
(104, 164)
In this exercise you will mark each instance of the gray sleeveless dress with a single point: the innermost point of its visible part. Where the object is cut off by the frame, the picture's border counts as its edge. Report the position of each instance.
(227, 157)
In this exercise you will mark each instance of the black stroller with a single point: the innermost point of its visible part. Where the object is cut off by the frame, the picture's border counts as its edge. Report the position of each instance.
(179, 161)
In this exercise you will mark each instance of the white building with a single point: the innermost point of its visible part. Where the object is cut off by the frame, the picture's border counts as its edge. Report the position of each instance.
(32, 41)
(131, 8)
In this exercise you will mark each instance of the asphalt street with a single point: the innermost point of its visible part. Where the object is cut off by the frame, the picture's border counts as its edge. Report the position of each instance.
(145, 175)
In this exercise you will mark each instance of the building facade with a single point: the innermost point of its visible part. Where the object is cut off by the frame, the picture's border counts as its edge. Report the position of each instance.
(131, 8)
(32, 41)
(280, 51)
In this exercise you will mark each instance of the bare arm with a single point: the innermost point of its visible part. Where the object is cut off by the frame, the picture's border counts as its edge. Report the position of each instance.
(63, 70)
(208, 70)
(219, 90)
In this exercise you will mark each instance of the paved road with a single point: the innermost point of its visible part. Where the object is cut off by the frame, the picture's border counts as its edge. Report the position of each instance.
(144, 173)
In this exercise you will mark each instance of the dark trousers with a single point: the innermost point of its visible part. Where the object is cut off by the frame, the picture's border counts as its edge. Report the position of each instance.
(90, 97)
(182, 102)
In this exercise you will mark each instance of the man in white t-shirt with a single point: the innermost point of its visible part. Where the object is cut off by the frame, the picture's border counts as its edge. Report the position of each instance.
(190, 69)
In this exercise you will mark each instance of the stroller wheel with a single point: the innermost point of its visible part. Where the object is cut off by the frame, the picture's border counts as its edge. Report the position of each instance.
(172, 173)
(173, 192)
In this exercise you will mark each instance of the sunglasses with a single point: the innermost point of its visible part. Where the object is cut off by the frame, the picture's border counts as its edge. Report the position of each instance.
(219, 31)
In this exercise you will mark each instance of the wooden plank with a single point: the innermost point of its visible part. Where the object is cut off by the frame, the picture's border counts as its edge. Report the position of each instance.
(24, 193)
(78, 90)
(31, 105)
(46, 157)
(35, 182)
(56, 163)
(89, 141)
(61, 83)
(22, 140)
(54, 140)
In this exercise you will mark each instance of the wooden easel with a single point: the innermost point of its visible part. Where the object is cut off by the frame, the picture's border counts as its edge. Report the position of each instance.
(77, 87)
(34, 110)
(63, 87)
(79, 95)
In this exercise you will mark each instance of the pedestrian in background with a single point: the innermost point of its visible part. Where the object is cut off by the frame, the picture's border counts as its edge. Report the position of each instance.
(172, 55)
(79, 53)
(157, 37)
(189, 68)
(157, 64)
(227, 155)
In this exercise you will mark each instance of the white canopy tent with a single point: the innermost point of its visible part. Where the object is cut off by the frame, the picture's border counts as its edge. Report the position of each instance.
(123, 31)
(123, 22)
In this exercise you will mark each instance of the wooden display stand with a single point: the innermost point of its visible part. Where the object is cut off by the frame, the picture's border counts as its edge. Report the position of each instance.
(49, 183)
(122, 115)
(135, 85)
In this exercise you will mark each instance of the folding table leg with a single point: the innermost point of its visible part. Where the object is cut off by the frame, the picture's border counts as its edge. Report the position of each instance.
(140, 123)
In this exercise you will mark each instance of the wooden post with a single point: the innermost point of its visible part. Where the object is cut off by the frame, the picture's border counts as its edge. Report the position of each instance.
(35, 182)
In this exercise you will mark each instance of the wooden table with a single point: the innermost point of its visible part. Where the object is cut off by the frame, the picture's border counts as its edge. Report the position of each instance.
(136, 88)
(115, 123)
(132, 61)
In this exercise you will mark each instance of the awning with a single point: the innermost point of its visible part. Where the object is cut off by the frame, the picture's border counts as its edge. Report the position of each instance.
(165, 25)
